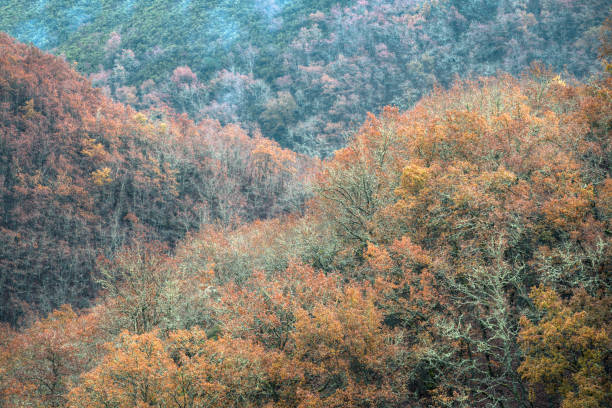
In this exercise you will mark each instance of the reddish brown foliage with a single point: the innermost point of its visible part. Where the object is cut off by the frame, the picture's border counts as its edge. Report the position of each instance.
(82, 175)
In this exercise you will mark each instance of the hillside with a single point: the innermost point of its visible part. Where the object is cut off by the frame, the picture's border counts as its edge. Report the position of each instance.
(81, 176)
(455, 254)
(303, 72)
(170, 238)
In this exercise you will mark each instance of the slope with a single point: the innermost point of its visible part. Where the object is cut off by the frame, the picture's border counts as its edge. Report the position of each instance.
(304, 72)
(81, 176)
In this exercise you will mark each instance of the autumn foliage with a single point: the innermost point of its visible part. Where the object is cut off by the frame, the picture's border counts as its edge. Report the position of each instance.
(83, 176)
(454, 255)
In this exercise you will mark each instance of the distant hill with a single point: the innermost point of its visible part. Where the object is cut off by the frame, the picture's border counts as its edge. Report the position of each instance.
(304, 72)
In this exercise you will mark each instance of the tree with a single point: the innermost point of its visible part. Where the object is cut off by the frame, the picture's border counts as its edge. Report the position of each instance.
(39, 363)
(356, 184)
(187, 370)
(567, 349)
(135, 373)
(141, 288)
(343, 351)
(488, 189)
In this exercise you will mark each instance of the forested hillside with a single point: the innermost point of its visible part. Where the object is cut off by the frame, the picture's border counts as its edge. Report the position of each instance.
(456, 254)
(81, 176)
(303, 72)
(169, 238)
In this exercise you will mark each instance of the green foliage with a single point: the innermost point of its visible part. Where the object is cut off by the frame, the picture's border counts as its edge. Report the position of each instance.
(336, 59)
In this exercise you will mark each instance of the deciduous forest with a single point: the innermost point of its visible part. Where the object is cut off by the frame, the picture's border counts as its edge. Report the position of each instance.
(306, 203)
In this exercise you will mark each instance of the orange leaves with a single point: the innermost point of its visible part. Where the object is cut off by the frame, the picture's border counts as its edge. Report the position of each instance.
(135, 373)
(405, 283)
(483, 191)
(264, 308)
(333, 334)
(378, 260)
(321, 342)
(410, 254)
(360, 180)
(571, 208)
(342, 350)
(186, 370)
(465, 130)
(40, 362)
(78, 163)
(269, 158)
(501, 155)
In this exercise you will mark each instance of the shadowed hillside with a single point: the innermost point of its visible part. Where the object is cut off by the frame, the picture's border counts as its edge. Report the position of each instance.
(82, 176)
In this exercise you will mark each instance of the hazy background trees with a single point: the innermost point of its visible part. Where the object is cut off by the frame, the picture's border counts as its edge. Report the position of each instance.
(303, 72)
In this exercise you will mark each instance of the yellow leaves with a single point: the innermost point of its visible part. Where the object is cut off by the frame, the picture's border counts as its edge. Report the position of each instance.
(94, 150)
(101, 176)
(546, 299)
(28, 110)
(414, 178)
(140, 118)
(565, 352)
(558, 81)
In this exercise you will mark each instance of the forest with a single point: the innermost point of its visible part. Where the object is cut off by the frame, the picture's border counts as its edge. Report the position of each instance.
(306, 203)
